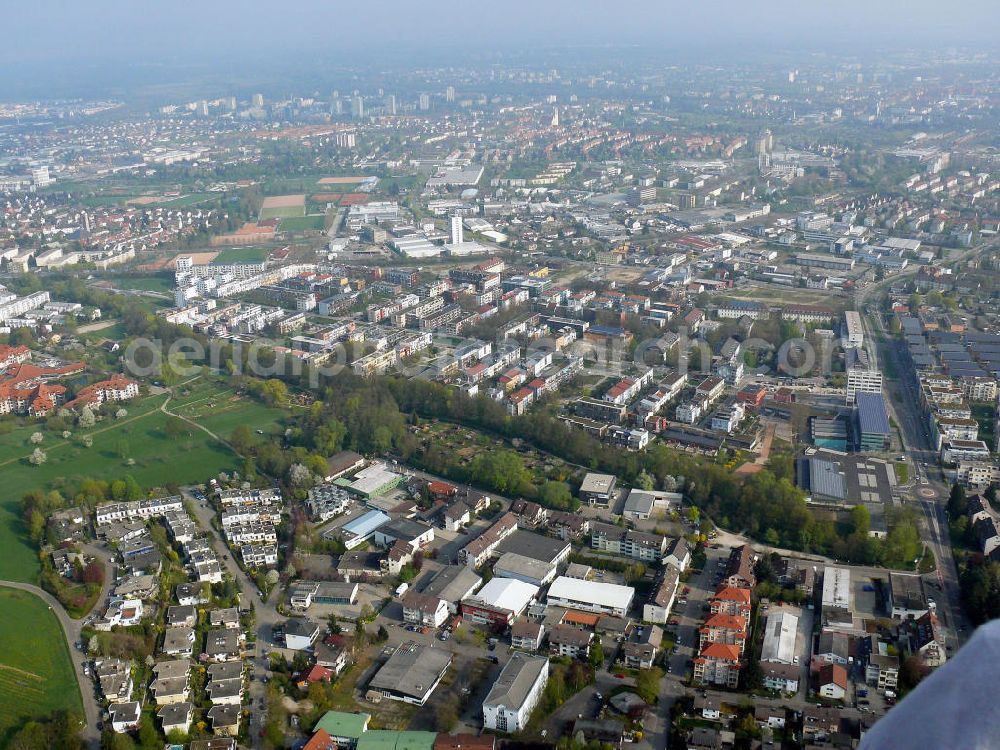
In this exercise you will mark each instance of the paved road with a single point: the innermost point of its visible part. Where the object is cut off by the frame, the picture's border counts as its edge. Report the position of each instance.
(71, 629)
(903, 407)
(265, 613)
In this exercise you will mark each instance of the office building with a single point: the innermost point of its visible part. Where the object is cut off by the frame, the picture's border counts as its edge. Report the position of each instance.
(457, 231)
(872, 422)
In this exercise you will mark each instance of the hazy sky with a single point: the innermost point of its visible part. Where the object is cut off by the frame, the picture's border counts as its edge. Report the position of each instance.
(47, 39)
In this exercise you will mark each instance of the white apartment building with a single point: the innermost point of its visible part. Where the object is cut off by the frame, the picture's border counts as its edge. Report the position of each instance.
(138, 510)
(689, 412)
(515, 694)
(259, 555)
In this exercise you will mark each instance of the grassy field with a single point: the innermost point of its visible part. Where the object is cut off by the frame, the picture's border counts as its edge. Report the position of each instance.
(305, 183)
(36, 672)
(115, 332)
(141, 437)
(146, 283)
(242, 254)
(183, 201)
(303, 223)
(282, 212)
(791, 296)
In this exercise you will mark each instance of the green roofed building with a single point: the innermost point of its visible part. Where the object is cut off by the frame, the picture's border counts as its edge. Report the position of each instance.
(345, 728)
(384, 739)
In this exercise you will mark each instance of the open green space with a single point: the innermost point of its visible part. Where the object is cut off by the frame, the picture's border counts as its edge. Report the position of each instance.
(153, 304)
(36, 670)
(241, 255)
(137, 444)
(146, 283)
(114, 332)
(307, 183)
(282, 212)
(183, 201)
(303, 223)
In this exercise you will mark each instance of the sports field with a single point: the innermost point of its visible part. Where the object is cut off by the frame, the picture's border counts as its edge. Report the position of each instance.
(303, 223)
(283, 207)
(242, 254)
(347, 180)
(36, 672)
(169, 201)
(138, 444)
(183, 201)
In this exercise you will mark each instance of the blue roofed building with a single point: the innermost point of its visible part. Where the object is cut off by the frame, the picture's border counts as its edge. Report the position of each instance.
(359, 530)
(872, 422)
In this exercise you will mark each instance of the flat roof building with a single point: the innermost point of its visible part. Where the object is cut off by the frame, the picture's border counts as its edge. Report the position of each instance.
(499, 601)
(522, 568)
(836, 601)
(873, 421)
(374, 480)
(343, 727)
(529, 544)
(590, 596)
(779, 637)
(906, 596)
(359, 530)
(388, 739)
(597, 489)
(854, 333)
(411, 673)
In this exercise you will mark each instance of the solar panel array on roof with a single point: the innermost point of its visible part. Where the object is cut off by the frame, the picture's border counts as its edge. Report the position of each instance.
(982, 338)
(943, 337)
(872, 416)
(962, 356)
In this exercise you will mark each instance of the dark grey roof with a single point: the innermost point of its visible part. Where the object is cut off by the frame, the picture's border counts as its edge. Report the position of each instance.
(872, 416)
(826, 479)
(515, 681)
(533, 545)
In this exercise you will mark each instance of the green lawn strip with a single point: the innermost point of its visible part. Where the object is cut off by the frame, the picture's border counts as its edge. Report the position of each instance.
(302, 223)
(36, 670)
(241, 255)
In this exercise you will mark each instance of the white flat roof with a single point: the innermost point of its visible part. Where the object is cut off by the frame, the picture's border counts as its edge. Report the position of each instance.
(836, 587)
(779, 637)
(592, 592)
(507, 593)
